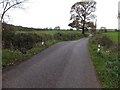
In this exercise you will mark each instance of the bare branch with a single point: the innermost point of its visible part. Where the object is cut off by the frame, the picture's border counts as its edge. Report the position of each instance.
(8, 4)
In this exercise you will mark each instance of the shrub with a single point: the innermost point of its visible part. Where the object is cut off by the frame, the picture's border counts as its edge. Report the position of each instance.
(116, 30)
(46, 37)
(58, 36)
(105, 41)
(7, 38)
(25, 41)
(66, 37)
(22, 41)
(102, 40)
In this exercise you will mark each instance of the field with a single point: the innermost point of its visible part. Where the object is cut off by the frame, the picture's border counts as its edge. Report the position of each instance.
(51, 32)
(112, 35)
(106, 60)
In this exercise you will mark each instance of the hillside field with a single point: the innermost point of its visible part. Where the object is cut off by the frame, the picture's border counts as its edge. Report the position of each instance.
(51, 32)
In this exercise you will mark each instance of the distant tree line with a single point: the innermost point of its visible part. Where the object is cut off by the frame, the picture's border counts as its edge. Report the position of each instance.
(21, 28)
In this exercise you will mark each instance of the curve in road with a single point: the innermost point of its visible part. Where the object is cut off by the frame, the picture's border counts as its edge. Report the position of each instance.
(63, 65)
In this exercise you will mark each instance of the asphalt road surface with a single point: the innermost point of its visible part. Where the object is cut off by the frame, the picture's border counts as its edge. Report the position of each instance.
(63, 65)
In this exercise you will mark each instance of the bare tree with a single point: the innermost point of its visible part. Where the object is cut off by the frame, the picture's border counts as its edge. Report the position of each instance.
(6, 5)
(83, 12)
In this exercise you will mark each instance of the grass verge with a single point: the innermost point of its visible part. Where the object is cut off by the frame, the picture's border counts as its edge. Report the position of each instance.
(106, 64)
(10, 57)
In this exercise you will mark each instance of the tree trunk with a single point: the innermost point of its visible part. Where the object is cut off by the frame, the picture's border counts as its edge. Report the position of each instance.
(83, 29)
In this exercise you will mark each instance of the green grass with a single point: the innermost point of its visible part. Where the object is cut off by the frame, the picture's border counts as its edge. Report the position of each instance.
(52, 32)
(106, 63)
(112, 35)
(10, 57)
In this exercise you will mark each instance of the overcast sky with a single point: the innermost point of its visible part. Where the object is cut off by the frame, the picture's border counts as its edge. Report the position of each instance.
(51, 13)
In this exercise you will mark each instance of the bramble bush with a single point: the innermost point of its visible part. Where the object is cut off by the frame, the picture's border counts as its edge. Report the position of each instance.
(102, 40)
(22, 41)
(7, 36)
(25, 41)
